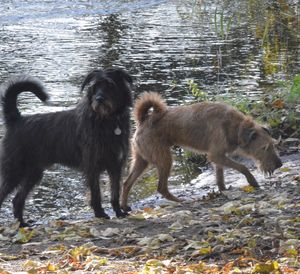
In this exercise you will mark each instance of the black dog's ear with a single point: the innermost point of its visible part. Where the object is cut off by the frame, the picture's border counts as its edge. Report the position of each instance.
(247, 133)
(90, 77)
(125, 76)
(121, 74)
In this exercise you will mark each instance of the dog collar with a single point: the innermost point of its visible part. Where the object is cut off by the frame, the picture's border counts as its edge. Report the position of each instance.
(117, 131)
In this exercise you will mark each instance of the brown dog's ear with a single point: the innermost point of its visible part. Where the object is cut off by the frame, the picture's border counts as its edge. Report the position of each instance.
(266, 129)
(247, 133)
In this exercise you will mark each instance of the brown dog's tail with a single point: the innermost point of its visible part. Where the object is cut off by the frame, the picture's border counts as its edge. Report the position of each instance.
(147, 101)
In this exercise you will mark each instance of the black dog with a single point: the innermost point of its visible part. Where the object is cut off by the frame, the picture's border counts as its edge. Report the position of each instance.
(93, 137)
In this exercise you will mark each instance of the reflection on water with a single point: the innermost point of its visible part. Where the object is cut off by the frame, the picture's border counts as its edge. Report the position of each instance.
(224, 46)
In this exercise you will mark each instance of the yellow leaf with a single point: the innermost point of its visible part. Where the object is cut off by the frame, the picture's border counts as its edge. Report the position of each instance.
(285, 169)
(51, 267)
(205, 250)
(210, 234)
(102, 261)
(292, 252)
(24, 235)
(58, 248)
(237, 270)
(267, 267)
(154, 263)
(30, 264)
(78, 252)
(296, 219)
(248, 189)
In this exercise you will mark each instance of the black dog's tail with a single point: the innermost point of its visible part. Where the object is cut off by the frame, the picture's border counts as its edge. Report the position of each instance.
(10, 92)
(147, 101)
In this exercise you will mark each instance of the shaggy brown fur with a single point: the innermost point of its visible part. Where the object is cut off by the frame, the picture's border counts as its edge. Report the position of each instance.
(213, 128)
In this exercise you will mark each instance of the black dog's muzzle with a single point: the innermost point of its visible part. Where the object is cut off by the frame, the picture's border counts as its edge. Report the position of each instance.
(100, 98)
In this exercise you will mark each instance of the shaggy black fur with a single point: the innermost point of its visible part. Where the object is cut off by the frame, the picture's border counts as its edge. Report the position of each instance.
(93, 137)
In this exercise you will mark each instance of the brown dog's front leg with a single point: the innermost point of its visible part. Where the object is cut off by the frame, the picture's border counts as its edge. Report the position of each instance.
(224, 161)
(138, 166)
(164, 168)
(220, 177)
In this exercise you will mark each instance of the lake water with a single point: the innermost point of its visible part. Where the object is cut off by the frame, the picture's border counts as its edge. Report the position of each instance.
(238, 48)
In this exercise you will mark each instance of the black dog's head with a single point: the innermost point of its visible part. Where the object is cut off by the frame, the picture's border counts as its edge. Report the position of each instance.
(108, 91)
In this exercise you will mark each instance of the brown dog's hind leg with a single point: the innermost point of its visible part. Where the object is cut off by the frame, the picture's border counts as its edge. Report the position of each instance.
(164, 164)
(138, 166)
(224, 161)
(220, 177)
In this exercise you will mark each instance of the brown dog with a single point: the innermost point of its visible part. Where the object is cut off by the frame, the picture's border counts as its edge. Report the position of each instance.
(213, 128)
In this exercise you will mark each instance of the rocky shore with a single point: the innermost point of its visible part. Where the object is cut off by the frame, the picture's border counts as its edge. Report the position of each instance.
(242, 230)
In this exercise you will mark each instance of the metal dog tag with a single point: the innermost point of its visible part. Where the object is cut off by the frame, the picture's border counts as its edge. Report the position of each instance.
(118, 131)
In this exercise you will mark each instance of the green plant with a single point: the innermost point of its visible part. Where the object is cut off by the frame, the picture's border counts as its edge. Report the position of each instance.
(294, 94)
(196, 91)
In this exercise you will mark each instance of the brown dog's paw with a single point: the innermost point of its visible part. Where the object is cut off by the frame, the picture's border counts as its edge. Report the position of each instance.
(126, 208)
(171, 197)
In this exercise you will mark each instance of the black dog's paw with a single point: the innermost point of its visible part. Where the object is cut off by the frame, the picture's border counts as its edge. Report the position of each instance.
(30, 223)
(121, 214)
(102, 214)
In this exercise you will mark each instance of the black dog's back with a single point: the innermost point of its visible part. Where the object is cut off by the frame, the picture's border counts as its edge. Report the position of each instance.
(50, 135)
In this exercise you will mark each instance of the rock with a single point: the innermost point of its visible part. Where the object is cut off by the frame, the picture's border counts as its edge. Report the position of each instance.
(291, 142)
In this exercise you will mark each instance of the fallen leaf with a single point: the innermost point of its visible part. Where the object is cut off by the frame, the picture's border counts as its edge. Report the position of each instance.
(165, 238)
(203, 251)
(176, 226)
(248, 189)
(24, 235)
(278, 103)
(267, 267)
(31, 264)
(51, 267)
(109, 232)
(154, 263)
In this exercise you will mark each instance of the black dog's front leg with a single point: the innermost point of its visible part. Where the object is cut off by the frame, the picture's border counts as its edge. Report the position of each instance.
(93, 184)
(115, 178)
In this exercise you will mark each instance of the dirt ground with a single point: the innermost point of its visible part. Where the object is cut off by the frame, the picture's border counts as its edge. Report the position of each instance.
(242, 230)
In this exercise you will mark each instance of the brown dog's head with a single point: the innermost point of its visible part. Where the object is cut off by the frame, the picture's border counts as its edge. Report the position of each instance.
(255, 141)
(108, 91)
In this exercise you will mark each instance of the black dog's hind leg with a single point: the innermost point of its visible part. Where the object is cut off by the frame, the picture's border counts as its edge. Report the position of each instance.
(5, 190)
(93, 184)
(115, 179)
(10, 181)
(30, 180)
